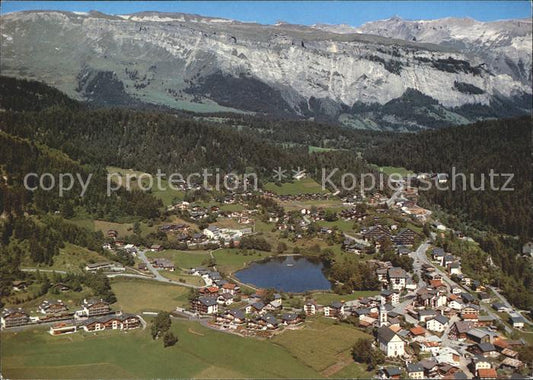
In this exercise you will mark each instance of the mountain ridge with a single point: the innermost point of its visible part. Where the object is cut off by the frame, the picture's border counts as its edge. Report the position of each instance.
(207, 64)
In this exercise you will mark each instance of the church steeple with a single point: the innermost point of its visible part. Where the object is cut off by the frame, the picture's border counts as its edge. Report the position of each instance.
(383, 320)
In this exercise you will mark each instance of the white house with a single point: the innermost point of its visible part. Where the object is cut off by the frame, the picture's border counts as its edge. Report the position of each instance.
(397, 278)
(390, 343)
(517, 321)
(437, 324)
(336, 309)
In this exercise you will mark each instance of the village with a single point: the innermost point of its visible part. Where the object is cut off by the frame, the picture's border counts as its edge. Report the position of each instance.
(427, 318)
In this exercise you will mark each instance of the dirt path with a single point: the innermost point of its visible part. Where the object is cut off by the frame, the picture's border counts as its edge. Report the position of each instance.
(333, 369)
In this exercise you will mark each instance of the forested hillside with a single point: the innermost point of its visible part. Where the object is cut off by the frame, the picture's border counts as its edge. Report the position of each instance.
(501, 145)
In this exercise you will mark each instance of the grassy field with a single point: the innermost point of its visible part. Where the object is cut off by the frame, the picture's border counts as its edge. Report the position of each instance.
(72, 256)
(228, 260)
(199, 353)
(388, 170)
(166, 194)
(182, 259)
(320, 343)
(135, 296)
(341, 224)
(182, 276)
(304, 186)
(69, 259)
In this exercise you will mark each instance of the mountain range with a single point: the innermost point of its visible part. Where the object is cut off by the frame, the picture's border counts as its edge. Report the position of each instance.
(389, 75)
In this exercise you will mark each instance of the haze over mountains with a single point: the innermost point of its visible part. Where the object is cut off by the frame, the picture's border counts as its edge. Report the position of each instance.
(392, 74)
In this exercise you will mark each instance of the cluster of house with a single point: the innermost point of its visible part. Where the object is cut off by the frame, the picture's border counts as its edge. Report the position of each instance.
(377, 234)
(253, 314)
(446, 326)
(94, 315)
(394, 278)
(448, 261)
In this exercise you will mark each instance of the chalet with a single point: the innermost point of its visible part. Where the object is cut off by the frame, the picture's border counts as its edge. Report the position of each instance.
(437, 324)
(310, 307)
(164, 264)
(430, 368)
(335, 310)
(479, 362)
(415, 371)
(500, 307)
(447, 260)
(437, 254)
(467, 297)
(225, 299)
(156, 248)
(381, 273)
(391, 297)
(459, 329)
(209, 291)
(230, 288)
(52, 307)
(256, 308)
(14, 317)
(290, 319)
(376, 233)
(264, 322)
(403, 251)
(405, 237)
(397, 278)
(484, 297)
(390, 343)
(425, 315)
(391, 373)
(235, 316)
(94, 307)
(517, 321)
(455, 304)
(485, 320)
(487, 350)
(205, 305)
(113, 322)
(470, 309)
(454, 268)
(479, 335)
(276, 303)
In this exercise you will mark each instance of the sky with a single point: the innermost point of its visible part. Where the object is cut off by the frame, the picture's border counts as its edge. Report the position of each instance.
(297, 12)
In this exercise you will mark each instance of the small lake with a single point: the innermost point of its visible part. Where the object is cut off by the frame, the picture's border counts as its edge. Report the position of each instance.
(287, 273)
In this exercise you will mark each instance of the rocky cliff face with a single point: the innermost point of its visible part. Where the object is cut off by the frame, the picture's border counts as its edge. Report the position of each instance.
(206, 64)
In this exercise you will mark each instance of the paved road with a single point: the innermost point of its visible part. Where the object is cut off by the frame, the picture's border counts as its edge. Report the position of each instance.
(43, 270)
(157, 276)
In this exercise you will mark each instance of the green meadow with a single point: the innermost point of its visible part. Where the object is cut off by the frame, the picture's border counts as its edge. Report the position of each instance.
(199, 353)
